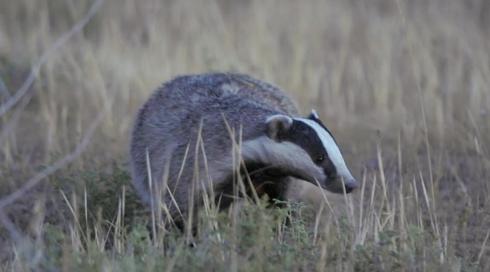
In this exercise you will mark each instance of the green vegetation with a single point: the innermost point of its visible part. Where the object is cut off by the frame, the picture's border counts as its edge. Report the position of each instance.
(403, 85)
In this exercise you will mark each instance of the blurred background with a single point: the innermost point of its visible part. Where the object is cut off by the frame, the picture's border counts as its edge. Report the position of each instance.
(366, 66)
(405, 81)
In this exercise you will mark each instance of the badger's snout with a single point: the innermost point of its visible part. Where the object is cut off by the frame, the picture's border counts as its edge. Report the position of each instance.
(350, 185)
(339, 185)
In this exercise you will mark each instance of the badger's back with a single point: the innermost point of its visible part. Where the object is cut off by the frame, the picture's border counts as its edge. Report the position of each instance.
(192, 108)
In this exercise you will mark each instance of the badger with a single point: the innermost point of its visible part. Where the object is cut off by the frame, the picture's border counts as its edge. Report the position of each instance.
(198, 134)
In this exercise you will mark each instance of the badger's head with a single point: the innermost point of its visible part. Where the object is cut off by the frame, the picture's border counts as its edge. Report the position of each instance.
(304, 148)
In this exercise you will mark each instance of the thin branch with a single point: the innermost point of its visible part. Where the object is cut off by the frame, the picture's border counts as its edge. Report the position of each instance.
(13, 231)
(21, 92)
(11, 198)
(14, 118)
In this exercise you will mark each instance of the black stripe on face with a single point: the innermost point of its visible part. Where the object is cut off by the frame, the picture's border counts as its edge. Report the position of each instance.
(306, 137)
(318, 121)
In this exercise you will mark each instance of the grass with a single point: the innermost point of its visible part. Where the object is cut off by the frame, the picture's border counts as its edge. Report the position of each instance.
(404, 86)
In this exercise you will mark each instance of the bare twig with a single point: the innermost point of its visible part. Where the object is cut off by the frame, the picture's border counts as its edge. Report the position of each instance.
(11, 198)
(483, 247)
(13, 231)
(24, 89)
(9, 126)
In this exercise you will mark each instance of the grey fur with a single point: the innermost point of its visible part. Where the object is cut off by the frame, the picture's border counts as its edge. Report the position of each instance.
(165, 137)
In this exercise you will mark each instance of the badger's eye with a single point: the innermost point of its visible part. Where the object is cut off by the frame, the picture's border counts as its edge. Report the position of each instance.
(320, 158)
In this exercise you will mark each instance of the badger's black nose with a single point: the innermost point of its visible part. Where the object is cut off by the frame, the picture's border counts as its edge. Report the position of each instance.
(350, 186)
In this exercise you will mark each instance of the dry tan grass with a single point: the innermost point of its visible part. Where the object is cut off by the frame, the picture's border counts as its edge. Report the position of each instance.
(404, 86)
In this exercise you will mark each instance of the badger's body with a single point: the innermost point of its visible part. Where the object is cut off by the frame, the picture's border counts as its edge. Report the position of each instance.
(188, 134)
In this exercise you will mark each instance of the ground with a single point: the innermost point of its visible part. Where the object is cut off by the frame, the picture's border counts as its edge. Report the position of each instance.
(403, 85)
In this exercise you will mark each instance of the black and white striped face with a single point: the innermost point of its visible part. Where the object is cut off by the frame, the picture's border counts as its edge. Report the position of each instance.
(316, 151)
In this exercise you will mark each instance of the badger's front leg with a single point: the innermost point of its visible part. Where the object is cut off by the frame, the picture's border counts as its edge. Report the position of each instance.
(275, 189)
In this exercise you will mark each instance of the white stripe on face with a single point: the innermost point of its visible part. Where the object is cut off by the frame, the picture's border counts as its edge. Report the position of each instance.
(331, 147)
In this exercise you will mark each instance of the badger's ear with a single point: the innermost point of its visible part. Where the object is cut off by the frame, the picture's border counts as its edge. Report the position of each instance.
(313, 115)
(277, 125)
